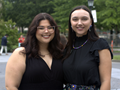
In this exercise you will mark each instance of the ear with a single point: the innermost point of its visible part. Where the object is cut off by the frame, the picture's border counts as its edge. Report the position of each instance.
(91, 22)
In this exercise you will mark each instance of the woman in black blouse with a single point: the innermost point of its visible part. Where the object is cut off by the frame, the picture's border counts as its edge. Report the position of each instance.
(87, 64)
(36, 65)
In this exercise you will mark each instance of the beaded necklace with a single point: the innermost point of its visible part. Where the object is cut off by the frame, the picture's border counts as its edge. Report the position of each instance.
(81, 45)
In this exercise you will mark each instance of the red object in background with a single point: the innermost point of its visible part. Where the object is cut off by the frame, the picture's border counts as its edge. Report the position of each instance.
(21, 40)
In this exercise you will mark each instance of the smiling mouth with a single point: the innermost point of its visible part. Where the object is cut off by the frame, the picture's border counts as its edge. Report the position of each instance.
(45, 36)
(79, 28)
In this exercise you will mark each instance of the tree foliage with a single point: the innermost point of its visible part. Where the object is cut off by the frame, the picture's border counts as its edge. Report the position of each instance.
(62, 9)
(12, 32)
(108, 13)
(23, 11)
(0, 8)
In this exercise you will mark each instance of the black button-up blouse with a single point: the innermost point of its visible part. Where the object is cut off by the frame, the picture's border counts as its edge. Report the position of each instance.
(82, 66)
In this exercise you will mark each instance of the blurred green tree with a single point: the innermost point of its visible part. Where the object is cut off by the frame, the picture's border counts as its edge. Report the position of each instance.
(12, 32)
(23, 11)
(62, 9)
(108, 15)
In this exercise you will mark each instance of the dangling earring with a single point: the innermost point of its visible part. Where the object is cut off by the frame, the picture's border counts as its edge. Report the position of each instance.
(90, 28)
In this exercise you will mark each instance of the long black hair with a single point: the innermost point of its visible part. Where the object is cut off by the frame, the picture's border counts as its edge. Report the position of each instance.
(31, 43)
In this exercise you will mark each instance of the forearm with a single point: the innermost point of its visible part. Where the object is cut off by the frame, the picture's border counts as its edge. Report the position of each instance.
(11, 88)
(105, 85)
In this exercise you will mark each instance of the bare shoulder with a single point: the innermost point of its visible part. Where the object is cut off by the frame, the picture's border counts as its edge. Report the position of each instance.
(17, 56)
(19, 49)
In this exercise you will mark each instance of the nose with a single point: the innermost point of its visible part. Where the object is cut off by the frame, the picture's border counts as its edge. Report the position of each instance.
(79, 22)
(46, 30)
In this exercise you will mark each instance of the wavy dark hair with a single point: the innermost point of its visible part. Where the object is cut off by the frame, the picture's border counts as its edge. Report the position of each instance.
(92, 35)
(31, 43)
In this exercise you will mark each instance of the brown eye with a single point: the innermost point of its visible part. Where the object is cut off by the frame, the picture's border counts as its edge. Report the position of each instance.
(75, 19)
(84, 18)
(41, 28)
(50, 27)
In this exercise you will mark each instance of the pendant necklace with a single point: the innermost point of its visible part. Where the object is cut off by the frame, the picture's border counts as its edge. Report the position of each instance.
(45, 54)
(80, 45)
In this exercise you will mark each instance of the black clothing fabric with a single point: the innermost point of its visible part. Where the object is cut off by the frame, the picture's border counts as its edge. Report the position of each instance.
(82, 66)
(38, 76)
(4, 41)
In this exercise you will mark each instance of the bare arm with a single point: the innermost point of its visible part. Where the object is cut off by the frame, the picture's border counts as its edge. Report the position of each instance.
(14, 70)
(105, 69)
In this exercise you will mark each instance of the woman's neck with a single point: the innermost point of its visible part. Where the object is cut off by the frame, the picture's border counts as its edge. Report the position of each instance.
(44, 49)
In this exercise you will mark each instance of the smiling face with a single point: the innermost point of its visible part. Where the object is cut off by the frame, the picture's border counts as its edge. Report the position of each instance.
(44, 34)
(80, 22)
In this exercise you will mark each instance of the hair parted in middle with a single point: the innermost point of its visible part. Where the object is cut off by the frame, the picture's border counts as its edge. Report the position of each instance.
(31, 43)
(92, 35)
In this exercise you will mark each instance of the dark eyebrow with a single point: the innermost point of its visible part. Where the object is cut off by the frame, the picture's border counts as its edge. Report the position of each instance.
(43, 26)
(75, 17)
(82, 17)
(85, 16)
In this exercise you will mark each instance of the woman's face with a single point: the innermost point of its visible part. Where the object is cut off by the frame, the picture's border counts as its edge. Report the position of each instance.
(80, 22)
(45, 32)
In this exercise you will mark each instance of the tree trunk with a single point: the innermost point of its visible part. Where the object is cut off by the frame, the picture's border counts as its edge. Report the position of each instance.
(111, 35)
(116, 38)
(22, 29)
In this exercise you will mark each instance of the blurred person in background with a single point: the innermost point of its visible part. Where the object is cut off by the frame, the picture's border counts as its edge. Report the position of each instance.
(21, 40)
(4, 45)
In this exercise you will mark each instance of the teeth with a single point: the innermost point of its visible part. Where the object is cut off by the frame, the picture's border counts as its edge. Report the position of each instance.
(79, 28)
(45, 36)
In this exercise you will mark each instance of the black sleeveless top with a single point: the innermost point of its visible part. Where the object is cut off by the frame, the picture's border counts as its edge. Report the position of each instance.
(38, 76)
(82, 66)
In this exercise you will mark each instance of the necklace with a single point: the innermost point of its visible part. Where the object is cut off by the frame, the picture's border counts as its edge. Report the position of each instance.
(46, 54)
(81, 45)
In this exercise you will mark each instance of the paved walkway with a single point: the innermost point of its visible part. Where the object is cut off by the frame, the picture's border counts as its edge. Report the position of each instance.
(115, 79)
(4, 57)
(116, 49)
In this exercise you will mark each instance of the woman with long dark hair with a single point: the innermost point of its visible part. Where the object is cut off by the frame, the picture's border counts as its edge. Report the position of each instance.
(87, 64)
(36, 65)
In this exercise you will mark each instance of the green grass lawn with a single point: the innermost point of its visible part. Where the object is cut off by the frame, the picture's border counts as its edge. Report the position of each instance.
(116, 57)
